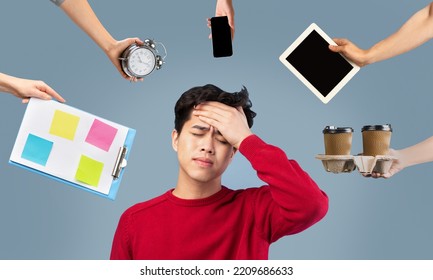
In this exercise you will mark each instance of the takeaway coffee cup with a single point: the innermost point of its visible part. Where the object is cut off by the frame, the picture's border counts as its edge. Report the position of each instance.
(376, 139)
(338, 140)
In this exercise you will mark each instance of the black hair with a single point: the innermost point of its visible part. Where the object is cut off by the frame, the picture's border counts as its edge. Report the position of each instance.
(209, 92)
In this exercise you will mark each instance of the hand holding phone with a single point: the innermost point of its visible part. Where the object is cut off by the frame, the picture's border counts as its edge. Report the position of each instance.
(221, 37)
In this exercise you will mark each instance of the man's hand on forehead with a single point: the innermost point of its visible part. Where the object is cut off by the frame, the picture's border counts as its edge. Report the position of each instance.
(229, 121)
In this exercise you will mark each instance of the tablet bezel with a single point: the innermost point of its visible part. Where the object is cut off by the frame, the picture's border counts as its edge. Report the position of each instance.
(296, 43)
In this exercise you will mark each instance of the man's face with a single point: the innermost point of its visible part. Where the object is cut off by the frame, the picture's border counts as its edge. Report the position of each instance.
(202, 151)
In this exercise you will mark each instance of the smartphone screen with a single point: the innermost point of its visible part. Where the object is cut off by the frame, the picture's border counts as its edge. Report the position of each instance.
(221, 37)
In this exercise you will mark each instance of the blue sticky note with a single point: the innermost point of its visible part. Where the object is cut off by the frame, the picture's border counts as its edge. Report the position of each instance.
(37, 149)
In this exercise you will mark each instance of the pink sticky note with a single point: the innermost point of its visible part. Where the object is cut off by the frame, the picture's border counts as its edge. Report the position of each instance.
(101, 135)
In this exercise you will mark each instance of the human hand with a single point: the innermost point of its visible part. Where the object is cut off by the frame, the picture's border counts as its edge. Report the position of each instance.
(229, 121)
(25, 89)
(350, 51)
(116, 50)
(224, 8)
(398, 164)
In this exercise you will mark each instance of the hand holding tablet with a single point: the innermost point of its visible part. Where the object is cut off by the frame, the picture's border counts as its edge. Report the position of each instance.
(324, 72)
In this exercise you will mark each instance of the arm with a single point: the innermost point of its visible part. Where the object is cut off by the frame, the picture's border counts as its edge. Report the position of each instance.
(80, 12)
(225, 8)
(25, 89)
(293, 201)
(415, 32)
(413, 155)
(120, 246)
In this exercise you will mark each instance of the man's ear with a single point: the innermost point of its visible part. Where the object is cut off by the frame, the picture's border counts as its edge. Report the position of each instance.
(234, 152)
(174, 139)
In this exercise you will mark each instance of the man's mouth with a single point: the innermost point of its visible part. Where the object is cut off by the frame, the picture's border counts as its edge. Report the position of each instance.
(203, 162)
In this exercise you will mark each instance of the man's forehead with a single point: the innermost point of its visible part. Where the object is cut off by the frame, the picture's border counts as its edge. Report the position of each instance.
(195, 122)
(199, 125)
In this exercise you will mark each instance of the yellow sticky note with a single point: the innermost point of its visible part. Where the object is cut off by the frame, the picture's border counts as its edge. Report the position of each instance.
(64, 125)
(89, 171)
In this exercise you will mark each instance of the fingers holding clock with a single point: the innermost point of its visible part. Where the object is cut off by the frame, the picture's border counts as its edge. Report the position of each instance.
(115, 51)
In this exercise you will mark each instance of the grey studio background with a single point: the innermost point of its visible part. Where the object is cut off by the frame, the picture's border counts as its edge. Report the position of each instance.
(367, 218)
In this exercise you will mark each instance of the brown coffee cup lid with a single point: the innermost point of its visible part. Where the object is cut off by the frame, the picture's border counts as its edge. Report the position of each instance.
(382, 127)
(333, 129)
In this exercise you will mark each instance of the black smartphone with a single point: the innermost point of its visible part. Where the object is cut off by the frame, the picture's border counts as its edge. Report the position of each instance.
(221, 37)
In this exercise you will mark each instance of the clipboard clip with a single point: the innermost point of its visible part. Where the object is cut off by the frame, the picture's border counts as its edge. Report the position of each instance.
(120, 162)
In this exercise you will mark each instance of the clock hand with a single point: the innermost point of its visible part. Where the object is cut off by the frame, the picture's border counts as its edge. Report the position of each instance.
(145, 63)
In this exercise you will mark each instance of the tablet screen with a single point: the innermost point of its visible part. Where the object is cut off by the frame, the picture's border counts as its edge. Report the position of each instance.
(323, 71)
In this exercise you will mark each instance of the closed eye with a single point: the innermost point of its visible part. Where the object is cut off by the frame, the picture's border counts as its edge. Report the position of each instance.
(223, 141)
(197, 134)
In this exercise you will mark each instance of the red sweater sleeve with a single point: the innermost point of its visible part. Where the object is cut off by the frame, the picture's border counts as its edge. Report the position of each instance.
(291, 202)
(120, 248)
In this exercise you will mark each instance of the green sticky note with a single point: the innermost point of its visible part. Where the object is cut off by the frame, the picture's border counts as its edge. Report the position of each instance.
(64, 125)
(89, 171)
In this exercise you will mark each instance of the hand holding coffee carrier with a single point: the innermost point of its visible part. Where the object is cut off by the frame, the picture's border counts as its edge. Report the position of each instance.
(376, 141)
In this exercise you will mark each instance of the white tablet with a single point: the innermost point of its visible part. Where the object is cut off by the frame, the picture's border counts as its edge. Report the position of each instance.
(324, 72)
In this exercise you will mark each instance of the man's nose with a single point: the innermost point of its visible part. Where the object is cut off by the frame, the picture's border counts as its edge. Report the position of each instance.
(207, 145)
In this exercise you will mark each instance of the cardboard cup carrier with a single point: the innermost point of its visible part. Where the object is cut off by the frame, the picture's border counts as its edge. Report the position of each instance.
(338, 143)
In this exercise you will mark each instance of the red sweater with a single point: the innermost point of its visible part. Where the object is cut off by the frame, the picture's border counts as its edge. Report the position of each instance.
(231, 224)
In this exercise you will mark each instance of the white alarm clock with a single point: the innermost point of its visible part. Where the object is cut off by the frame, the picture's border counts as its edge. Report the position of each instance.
(139, 61)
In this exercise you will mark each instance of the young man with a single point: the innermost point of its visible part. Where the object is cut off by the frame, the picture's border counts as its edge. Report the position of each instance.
(200, 218)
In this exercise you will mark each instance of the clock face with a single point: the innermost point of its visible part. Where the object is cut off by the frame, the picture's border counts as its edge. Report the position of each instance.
(141, 62)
